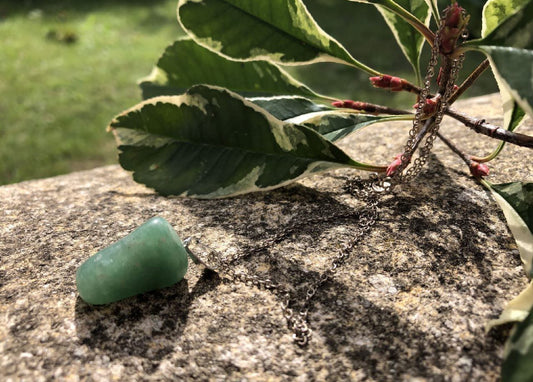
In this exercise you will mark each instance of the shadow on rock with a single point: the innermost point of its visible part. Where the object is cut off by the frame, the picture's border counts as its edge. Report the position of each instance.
(256, 216)
(376, 339)
(146, 326)
(447, 221)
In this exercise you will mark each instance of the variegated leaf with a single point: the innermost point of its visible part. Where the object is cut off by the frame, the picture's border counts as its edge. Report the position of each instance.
(286, 107)
(516, 202)
(513, 115)
(514, 69)
(495, 12)
(508, 43)
(409, 40)
(434, 8)
(277, 30)
(185, 63)
(333, 124)
(211, 143)
(518, 363)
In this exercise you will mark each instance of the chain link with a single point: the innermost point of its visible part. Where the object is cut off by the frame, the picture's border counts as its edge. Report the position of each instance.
(369, 191)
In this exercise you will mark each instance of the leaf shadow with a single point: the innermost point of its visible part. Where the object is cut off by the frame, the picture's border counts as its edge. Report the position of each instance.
(444, 219)
(377, 339)
(261, 215)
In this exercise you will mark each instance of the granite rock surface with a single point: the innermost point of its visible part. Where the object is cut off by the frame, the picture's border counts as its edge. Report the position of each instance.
(410, 304)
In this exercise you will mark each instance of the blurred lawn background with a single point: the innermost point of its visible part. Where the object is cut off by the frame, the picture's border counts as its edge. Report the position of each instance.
(67, 67)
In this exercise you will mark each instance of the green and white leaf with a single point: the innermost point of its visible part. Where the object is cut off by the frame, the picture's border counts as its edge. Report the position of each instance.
(516, 310)
(434, 8)
(335, 125)
(408, 38)
(281, 31)
(212, 143)
(516, 202)
(508, 43)
(513, 115)
(518, 360)
(507, 26)
(495, 12)
(185, 63)
(287, 107)
(514, 69)
(404, 13)
(332, 123)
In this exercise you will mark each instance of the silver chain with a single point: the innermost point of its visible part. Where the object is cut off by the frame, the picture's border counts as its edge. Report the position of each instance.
(368, 191)
(297, 318)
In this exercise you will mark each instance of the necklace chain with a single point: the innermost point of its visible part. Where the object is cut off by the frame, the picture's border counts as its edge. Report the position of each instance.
(368, 191)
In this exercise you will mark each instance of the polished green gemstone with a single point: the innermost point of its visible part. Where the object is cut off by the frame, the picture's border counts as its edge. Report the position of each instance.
(151, 257)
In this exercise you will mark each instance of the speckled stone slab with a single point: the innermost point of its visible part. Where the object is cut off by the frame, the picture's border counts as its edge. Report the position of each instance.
(410, 304)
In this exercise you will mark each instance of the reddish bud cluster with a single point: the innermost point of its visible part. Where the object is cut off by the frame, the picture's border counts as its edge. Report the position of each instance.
(394, 165)
(430, 107)
(361, 106)
(479, 169)
(349, 104)
(454, 24)
(385, 81)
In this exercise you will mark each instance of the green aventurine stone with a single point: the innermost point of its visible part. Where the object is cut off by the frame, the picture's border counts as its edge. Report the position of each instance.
(151, 257)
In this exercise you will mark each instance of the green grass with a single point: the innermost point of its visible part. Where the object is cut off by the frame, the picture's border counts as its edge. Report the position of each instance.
(58, 97)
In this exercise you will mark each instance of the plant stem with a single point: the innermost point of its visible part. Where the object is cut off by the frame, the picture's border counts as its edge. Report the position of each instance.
(412, 88)
(373, 108)
(427, 125)
(455, 149)
(491, 156)
(482, 127)
(378, 109)
(469, 81)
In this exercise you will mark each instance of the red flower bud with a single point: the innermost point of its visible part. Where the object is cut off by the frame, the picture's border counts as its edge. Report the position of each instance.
(430, 107)
(348, 104)
(393, 166)
(455, 23)
(356, 105)
(454, 15)
(385, 81)
(479, 169)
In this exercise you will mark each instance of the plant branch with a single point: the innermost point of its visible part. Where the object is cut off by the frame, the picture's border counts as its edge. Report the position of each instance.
(491, 156)
(379, 109)
(455, 149)
(412, 88)
(482, 127)
(368, 107)
(469, 81)
(408, 155)
(478, 170)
